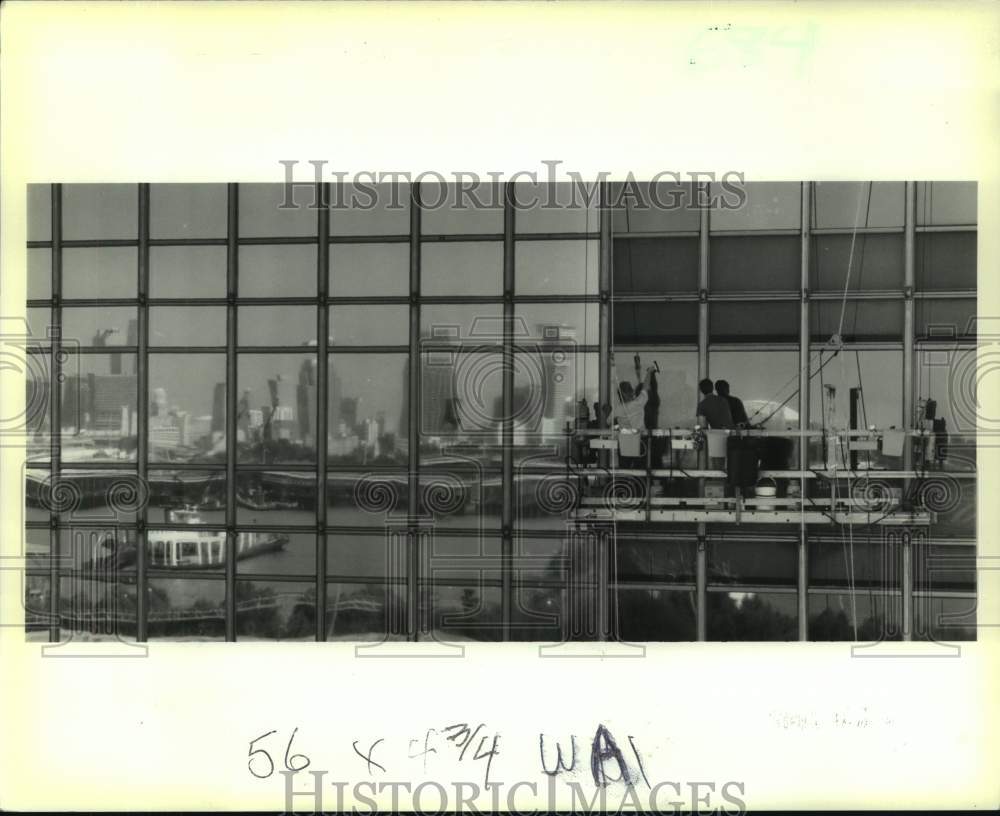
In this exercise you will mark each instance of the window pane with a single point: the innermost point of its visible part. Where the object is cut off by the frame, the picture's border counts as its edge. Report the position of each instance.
(540, 559)
(558, 207)
(879, 373)
(375, 209)
(752, 561)
(360, 612)
(366, 499)
(370, 325)
(556, 267)
(537, 613)
(655, 322)
(571, 324)
(39, 283)
(755, 264)
(187, 326)
(477, 209)
(862, 203)
(277, 325)
(656, 560)
(863, 320)
(112, 497)
(655, 615)
(185, 547)
(187, 272)
(368, 556)
(877, 263)
(946, 261)
(656, 265)
(39, 325)
(369, 269)
(833, 616)
(767, 384)
(458, 493)
(101, 325)
(542, 500)
(276, 414)
(259, 553)
(752, 616)
(187, 609)
(460, 396)
(36, 606)
(946, 202)
(38, 497)
(944, 566)
(660, 207)
(203, 491)
(100, 272)
(676, 383)
(874, 564)
(261, 214)
(952, 500)
(733, 321)
(945, 375)
(37, 405)
(275, 610)
(367, 412)
(105, 211)
(768, 206)
(278, 271)
(548, 385)
(91, 610)
(98, 408)
(39, 212)
(944, 619)
(954, 317)
(461, 611)
(276, 498)
(473, 323)
(465, 268)
(188, 210)
(187, 407)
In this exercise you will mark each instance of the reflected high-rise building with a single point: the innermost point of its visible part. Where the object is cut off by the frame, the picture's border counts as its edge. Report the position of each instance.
(219, 408)
(558, 365)
(439, 403)
(281, 416)
(306, 401)
(104, 403)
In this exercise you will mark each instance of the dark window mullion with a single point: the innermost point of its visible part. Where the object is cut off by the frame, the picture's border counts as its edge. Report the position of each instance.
(322, 397)
(55, 399)
(232, 291)
(142, 414)
(412, 426)
(507, 419)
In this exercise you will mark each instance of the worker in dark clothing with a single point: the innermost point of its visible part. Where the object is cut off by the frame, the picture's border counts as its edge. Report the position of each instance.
(736, 409)
(714, 408)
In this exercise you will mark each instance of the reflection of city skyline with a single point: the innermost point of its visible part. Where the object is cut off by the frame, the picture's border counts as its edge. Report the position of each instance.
(367, 412)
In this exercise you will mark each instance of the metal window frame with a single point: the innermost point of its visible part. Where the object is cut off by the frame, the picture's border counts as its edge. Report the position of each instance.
(509, 300)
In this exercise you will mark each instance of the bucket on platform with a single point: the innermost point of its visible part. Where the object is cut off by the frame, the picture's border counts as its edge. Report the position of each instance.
(717, 443)
(765, 491)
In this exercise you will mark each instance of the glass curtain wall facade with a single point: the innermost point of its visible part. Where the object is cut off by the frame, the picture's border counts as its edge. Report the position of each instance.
(347, 422)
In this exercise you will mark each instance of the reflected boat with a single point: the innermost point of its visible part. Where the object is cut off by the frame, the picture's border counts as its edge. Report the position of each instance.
(185, 548)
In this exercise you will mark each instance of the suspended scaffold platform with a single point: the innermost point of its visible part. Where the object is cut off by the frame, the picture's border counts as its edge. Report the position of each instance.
(841, 490)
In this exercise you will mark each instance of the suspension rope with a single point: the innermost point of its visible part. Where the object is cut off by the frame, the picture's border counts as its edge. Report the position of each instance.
(850, 262)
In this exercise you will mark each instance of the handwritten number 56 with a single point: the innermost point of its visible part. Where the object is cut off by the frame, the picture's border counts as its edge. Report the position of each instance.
(257, 756)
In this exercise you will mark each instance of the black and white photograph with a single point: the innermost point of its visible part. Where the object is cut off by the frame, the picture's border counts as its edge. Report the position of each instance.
(553, 412)
(499, 407)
